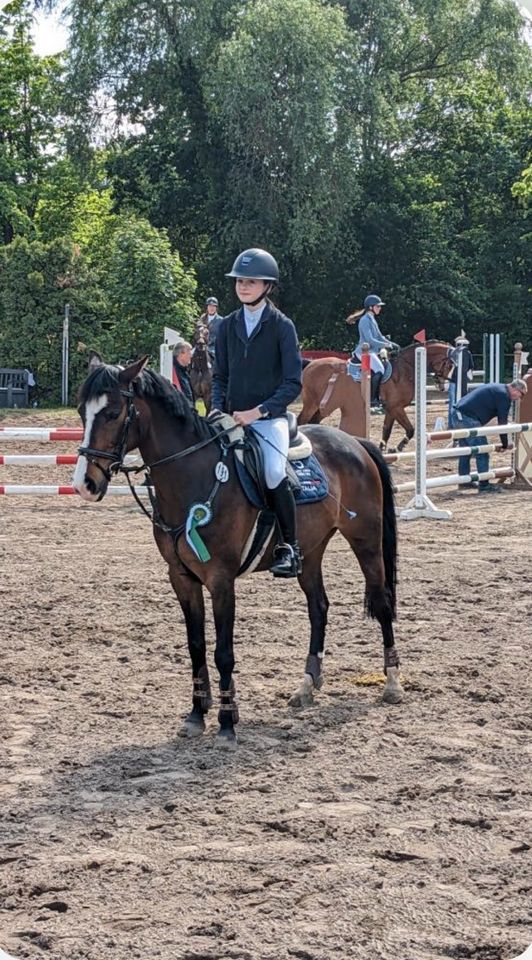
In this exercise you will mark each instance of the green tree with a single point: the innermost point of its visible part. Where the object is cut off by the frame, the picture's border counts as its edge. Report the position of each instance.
(29, 107)
(146, 288)
(36, 281)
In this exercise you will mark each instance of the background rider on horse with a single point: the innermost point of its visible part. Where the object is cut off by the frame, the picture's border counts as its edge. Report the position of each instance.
(369, 332)
(212, 320)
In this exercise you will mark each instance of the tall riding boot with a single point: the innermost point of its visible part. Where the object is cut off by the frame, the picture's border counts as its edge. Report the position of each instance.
(375, 384)
(287, 555)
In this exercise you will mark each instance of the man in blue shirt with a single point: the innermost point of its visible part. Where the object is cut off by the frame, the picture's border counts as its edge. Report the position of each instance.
(476, 410)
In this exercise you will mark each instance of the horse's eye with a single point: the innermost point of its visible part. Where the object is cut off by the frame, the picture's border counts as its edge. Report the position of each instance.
(111, 415)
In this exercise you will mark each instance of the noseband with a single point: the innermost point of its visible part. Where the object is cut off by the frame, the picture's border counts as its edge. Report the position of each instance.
(116, 456)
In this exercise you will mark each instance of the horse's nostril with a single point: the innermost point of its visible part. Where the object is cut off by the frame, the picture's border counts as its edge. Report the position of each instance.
(90, 484)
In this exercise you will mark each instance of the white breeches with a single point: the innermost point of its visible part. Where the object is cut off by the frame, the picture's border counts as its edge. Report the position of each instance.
(274, 441)
(377, 365)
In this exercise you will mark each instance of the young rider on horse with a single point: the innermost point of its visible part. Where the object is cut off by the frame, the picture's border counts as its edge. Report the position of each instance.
(257, 373)
(369, 332)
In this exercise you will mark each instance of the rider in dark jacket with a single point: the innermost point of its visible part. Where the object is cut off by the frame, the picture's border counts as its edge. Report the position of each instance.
(257, 373)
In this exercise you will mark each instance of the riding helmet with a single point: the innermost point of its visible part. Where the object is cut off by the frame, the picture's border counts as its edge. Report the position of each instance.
(210, 300)
(255, 264)
(373, 301)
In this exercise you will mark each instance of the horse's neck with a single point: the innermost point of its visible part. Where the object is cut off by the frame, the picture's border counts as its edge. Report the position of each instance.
(161, 435)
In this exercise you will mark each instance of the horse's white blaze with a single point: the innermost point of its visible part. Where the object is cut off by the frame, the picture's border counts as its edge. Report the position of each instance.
(92, 409)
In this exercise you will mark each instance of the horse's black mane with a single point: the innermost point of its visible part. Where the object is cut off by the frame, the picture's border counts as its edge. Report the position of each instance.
(149, 384)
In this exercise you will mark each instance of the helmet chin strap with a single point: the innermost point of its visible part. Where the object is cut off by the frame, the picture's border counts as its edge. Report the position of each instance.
(253, 303)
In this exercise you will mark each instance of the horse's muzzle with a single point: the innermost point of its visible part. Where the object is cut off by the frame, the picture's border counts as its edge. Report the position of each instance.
(90, 487)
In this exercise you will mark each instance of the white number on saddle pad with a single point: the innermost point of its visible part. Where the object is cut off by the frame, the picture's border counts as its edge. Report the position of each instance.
(221, 472)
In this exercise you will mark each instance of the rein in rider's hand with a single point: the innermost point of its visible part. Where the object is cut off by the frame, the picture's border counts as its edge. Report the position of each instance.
(245, 417)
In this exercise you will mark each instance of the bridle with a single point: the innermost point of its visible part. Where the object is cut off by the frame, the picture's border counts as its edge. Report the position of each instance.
(439, 369)
(117, 455)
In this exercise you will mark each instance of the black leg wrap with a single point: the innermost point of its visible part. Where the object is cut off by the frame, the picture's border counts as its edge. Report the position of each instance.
(202, 696)
(391, 658)
(313, 667)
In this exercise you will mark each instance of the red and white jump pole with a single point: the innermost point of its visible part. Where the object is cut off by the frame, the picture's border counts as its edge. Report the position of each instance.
(51, 460)
(21, 490)
(43, 434)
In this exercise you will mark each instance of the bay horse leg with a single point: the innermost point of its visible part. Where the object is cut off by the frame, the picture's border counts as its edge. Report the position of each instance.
(387, 425)
(311, 582)
(223, 605)
(378, 606)
(310, 413)
(402, 419)
(189, 592)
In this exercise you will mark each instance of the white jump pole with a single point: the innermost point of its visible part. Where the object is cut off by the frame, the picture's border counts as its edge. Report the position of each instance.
(455, 479)
(421, 506)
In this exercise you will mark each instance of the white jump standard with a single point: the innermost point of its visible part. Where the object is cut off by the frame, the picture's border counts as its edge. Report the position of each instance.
(421, 505)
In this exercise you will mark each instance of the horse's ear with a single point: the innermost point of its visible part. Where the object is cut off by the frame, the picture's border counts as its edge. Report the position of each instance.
(134, 370)
(95, 360)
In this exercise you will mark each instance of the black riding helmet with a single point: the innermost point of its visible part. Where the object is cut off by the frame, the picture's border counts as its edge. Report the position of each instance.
(255, 264)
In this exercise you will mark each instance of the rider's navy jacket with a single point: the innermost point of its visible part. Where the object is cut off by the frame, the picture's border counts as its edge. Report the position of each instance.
(261, 370)
(213, 323)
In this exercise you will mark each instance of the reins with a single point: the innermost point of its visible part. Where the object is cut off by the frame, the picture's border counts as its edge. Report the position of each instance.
(117, 465)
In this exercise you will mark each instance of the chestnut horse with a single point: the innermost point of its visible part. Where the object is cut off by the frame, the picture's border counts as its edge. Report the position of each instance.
(191, 464)
(324, 392)
(200, 371)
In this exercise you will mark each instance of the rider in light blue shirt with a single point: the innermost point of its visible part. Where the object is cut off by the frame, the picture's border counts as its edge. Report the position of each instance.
(369, 332)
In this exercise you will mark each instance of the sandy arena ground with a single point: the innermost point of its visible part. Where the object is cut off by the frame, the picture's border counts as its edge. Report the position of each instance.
(348, 831)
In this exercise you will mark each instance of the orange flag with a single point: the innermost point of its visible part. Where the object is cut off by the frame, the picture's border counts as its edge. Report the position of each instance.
(420, 336)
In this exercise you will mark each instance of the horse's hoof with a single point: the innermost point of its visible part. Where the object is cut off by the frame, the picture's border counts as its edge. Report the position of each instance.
(393, 693)
(192, 728)
(302, 700)
(304, 696)
(226, 740)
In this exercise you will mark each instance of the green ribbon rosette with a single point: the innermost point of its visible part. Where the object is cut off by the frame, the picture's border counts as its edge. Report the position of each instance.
(198, 515)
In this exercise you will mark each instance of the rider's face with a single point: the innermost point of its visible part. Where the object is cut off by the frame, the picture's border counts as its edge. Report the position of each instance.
(248, 289)
(377, 310)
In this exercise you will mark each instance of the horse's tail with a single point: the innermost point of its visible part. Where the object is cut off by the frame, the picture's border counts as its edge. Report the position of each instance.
(389, 527)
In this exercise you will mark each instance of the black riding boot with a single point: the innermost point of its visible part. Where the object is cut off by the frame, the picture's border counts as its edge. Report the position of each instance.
(375, 384)
(287, 555)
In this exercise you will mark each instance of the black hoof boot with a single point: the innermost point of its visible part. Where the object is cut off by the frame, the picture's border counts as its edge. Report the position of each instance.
(287, 562)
